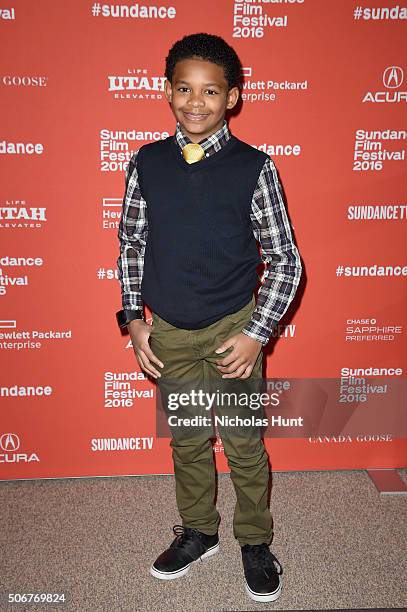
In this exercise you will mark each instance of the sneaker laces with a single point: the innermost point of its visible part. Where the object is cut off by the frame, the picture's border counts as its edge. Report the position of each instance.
(183, 535)
(260, 556)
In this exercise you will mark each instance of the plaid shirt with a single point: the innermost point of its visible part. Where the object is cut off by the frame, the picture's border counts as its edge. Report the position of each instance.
(270, 227)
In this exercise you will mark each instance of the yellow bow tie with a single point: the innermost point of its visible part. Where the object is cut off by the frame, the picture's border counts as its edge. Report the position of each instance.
(193, 153)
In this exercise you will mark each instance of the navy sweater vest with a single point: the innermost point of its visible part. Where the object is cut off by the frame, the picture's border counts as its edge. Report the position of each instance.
(201, 255)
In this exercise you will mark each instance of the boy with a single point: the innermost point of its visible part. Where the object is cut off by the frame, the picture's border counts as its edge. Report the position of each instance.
(194, 206)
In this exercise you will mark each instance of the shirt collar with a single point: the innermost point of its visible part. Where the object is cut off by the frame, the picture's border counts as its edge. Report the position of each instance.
(210, 145)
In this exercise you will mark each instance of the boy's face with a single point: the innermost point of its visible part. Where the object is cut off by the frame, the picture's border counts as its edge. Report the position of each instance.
(199, 96)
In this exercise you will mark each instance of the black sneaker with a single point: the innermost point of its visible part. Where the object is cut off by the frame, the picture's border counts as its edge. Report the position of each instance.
(190, 545)
(262, 579)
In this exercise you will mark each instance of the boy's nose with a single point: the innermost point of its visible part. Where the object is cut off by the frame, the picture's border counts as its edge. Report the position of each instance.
(196, 100)
(197, 104)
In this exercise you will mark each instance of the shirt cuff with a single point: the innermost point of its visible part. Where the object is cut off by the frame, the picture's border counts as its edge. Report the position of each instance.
(251, 334)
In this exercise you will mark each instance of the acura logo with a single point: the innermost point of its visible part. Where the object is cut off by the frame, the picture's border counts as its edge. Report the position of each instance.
(393, 77)
(9, 442)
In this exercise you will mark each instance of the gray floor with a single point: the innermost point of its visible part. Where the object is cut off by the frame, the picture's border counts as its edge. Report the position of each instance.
(341, 545)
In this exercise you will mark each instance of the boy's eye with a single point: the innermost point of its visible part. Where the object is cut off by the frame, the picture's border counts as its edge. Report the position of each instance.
(211, 91)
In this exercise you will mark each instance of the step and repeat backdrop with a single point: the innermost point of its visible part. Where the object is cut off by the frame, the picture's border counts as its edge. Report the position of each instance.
(325, 96)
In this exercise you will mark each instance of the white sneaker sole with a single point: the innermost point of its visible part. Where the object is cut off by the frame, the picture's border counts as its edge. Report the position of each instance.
(264, 596)
(181, 572)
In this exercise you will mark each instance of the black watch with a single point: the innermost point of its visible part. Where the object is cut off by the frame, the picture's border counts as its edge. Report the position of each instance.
(125, 316)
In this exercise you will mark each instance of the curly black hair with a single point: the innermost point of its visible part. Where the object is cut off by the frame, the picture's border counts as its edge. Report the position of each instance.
(207, 47)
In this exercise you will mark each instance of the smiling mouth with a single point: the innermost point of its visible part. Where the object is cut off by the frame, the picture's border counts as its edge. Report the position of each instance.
(195, 116)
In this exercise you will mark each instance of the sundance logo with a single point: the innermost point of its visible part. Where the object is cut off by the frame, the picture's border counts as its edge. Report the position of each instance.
(370, 371)
(393, 78)
(10, 444)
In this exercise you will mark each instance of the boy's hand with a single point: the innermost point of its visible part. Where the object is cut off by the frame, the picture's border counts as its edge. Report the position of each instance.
(240, 361)
(139, 333)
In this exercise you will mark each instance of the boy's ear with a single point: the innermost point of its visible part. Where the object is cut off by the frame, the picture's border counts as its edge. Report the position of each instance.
(168, 90)
(233, 97)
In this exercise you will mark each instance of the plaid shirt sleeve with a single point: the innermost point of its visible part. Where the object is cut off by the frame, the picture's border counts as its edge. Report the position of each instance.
(132, 236)
(282, 275)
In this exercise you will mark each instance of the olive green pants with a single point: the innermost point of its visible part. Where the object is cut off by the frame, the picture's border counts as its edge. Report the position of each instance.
(189, 362)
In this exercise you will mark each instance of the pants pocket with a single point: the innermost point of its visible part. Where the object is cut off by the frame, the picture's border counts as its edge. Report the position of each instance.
(244, 314)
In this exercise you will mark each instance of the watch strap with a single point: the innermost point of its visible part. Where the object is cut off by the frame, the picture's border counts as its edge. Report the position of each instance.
(125, 316)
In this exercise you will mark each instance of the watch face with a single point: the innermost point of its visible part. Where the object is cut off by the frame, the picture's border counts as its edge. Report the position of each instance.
(125, 316)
